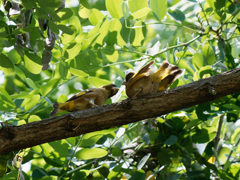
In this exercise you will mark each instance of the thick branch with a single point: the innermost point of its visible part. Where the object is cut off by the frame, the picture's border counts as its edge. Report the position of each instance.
(127, 111)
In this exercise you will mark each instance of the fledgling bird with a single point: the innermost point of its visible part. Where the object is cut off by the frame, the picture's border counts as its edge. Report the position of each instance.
(142, 83)
(86, 99)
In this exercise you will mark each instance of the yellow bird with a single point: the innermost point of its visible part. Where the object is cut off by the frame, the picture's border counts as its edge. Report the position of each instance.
(86, 99)
(142, 83)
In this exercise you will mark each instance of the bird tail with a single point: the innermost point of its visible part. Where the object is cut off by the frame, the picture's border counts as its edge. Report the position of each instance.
(161, 72)
(173, 73)
(57, 108)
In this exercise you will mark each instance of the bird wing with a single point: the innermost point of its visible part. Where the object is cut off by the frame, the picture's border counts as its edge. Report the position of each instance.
(79, 94)
(143, 72)
(172, 74)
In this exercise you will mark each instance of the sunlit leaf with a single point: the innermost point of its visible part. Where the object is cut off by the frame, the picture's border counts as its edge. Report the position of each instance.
(6, 64)
(125, 10)
(74, 21)
(138, 34)
(85, 10)
(8, 102)
(159, 8)
(97, 82)
(140, 13)
(204, 135)
(32, 102)
(96, 16)
(135, 5)
(90, 153)
(88, 142)
(198, 60)
(208, 53)
(33, 63)
(45, 89)
(33, 118)
(78, 72)
(114, 9)
(218, 4)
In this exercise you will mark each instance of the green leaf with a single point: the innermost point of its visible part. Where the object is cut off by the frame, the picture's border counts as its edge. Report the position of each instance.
(85, 10)
(115, 171)
(97, 82)
(202, 111)
(64, 13)
(208, 53)
(114, 9)
(33, 63)
(72, 50)
(32, 102)
(218, 4)
(111, 55)
(75, 22)
(50, 3)
(22, 95)
(163, 157)
(193, 174)
(31, 83)
(6, 99)
(235, 136)
(177, 15)
(198, 60)
(66, 29)
(96, 16)
(54, 28)
(28, 4)
(45, 89)
(139, 175)
(231, 106)
(143, 161)
(125, 9)
(135, 5)
(14, 56)
(102, 132)
(184, 54)
(204, 135)
(33, 118)
(88, 142)
(138, 34)
(87, 153)
(116, 151)
(6, 64)
(78, 72)
(140, 13)
(22, 30)
(114, 36)
(205, 70)
(234, 170)
(159, 8)
(171, 140)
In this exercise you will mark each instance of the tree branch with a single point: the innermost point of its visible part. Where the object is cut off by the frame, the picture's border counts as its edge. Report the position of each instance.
(127, 111)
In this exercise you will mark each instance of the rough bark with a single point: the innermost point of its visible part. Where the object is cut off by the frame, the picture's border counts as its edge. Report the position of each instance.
(127, 111)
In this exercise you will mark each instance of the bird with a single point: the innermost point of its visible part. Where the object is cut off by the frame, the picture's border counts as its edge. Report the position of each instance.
(86, 99)
(143, 83)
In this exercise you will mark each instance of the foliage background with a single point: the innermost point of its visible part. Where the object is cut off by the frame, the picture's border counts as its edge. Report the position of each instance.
(48, 53)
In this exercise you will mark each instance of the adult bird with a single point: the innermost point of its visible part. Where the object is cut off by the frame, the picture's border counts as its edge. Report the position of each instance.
(142, 82)
(86, 99)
